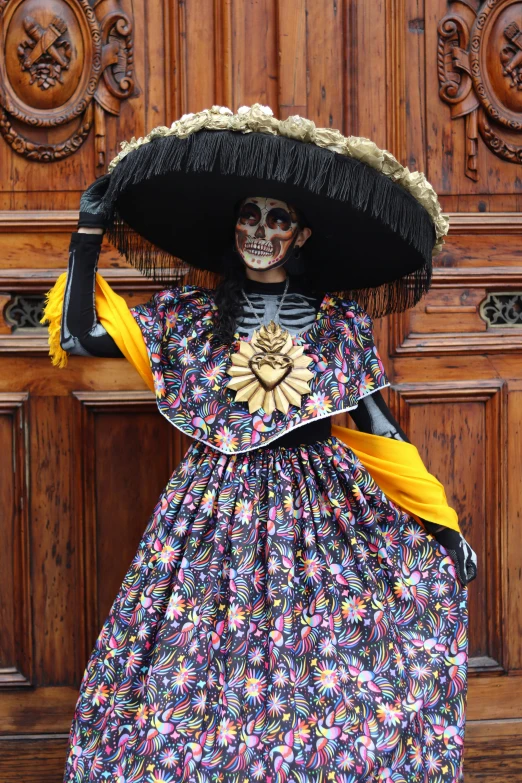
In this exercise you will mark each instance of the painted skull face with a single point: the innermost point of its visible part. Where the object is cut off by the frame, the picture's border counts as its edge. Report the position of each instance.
(265, 230)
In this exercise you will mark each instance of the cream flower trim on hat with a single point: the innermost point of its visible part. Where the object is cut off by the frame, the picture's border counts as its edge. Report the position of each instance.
(260, 119)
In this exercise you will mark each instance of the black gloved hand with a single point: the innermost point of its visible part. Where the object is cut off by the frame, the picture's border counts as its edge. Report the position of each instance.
(90, 213)
(463, 556)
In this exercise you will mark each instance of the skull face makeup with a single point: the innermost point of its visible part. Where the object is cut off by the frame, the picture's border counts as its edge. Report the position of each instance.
(265, 230)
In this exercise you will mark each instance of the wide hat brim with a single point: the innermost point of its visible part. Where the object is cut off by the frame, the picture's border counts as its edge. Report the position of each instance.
(173, 201)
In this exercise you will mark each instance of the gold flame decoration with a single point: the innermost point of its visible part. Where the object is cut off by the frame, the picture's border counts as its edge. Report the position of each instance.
(270, 372)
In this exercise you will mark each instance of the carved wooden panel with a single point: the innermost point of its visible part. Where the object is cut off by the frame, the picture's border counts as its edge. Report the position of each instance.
(112, 89)
(459, 428)
(63, 64)
(464, 112)
(56, 573)
(479, 62)
(43, 759)
(15, 607)
(492, 746)
(119, 495)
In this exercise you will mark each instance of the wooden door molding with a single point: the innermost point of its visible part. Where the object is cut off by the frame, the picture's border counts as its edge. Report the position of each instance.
(473, 223)
(16, 647)
(63, 64)
(468, 421)
(25, 290)
(449, 319)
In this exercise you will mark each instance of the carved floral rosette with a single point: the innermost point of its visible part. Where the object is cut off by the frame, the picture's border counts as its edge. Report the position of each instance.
(479, 60)
(62, 63)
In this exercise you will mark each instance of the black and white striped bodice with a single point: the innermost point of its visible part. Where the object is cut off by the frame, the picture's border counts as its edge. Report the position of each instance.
(297, 313)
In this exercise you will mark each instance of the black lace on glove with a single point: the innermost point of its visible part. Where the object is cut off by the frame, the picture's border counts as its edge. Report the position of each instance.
(463, 556)
(91, 215)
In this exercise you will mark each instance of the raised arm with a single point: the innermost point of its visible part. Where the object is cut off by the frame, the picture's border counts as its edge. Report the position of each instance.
(373, 416)
(81, 333)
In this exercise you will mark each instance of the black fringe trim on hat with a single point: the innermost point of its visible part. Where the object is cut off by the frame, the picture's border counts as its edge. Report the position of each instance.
(379, 301)
(282, 160)
(394, 297)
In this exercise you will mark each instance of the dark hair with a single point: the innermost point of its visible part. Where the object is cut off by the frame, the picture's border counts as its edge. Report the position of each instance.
(228, 296)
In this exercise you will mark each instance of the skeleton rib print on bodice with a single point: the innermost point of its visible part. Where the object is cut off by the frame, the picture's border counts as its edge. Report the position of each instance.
(298, 311)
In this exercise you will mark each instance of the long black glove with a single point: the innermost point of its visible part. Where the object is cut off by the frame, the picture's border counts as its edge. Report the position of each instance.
(90, 213)
(82, 333)
(463, 556)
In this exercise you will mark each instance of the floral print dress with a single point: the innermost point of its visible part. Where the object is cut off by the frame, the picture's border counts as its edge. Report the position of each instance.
(282, 620)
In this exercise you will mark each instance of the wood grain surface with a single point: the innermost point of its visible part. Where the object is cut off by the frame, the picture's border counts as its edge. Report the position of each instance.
(85, 450)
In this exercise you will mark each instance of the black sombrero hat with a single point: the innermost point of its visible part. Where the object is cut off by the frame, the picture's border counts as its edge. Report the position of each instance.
(173, 195)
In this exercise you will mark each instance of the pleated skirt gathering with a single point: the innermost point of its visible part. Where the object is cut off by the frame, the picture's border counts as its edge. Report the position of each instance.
(281, 622)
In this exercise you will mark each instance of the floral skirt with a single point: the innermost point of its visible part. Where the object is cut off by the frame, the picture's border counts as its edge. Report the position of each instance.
(281, 621)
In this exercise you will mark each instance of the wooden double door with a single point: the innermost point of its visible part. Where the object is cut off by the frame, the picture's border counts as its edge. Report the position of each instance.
(85, 454)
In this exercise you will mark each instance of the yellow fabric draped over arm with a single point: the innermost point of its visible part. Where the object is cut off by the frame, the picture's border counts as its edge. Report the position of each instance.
(114, 315)
(396, 466)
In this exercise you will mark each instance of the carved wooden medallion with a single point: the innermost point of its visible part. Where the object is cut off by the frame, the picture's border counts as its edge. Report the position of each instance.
(62, 63)
(42, 54)
(480, 75)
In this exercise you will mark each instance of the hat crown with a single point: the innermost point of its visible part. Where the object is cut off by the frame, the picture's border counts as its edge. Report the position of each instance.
(375, 225)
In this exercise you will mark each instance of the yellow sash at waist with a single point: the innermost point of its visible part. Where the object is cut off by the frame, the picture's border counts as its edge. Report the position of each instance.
(396, 467)
(399, 471)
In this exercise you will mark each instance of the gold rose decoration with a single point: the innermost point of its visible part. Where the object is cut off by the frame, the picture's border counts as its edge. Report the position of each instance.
(269, 371)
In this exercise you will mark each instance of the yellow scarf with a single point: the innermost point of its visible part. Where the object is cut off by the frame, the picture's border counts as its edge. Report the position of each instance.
(115, 317)
(396, 467)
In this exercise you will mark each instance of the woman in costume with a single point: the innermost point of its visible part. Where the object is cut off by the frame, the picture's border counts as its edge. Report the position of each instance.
(297, 607)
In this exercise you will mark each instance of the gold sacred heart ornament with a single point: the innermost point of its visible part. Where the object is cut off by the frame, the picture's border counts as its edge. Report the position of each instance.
(270, 368)
(269, 372)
